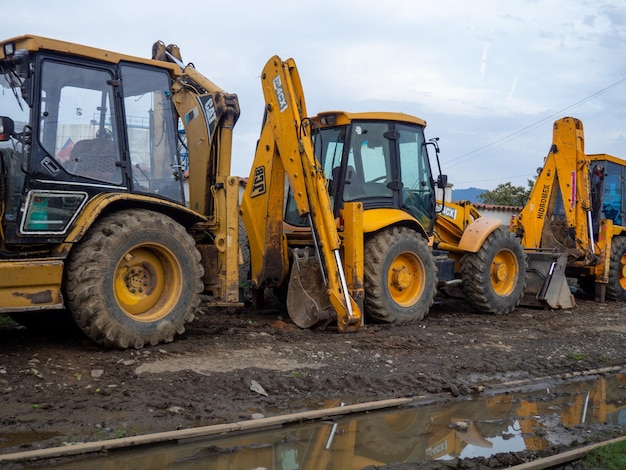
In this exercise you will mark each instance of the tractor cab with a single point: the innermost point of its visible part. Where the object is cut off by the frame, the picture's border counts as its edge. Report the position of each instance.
(607, 190)
(379, 159)
(75, 124)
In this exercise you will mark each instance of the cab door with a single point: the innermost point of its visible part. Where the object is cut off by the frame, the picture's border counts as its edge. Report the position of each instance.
(418, 189)
(72, 151)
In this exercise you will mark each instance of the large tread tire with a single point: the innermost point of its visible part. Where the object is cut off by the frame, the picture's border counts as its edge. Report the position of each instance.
(400, 276)
(134, 279)
(616, 288)
(494, 278)
(245, 292)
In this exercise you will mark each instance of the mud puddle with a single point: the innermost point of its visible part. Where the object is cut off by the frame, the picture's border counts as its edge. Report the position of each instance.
(509, 422)
(24, 438)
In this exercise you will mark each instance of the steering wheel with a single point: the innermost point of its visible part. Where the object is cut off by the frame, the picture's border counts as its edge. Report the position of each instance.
(380, 178)
(104, 133)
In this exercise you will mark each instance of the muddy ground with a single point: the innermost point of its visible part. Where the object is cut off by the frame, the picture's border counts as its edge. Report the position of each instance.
(61, 388)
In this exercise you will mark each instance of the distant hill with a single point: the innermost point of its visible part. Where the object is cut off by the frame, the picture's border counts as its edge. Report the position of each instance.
(469, 194)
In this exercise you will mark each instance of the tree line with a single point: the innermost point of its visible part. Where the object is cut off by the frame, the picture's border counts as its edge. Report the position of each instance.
(506, 194)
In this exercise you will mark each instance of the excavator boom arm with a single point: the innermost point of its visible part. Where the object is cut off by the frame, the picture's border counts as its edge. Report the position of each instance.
(208, 114)
(285, 150)
(556, 225)
(560, 200)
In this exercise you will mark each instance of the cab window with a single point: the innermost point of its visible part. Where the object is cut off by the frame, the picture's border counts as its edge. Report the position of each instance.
(76, 120)
(152, 132)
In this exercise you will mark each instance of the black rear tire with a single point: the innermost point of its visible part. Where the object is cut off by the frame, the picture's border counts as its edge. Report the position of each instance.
(134, 279)
(494, 278)
(616, 289)
(245, 292)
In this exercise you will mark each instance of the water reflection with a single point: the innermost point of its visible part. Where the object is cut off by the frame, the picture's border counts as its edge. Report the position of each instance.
(481, 427)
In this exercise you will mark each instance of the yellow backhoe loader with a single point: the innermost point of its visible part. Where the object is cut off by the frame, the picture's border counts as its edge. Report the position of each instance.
(94, 220)
(318, 285)
(381, 161)
(577, 208)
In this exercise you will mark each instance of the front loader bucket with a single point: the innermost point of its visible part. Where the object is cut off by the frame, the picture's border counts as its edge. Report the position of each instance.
(546, 282)
(307, 296)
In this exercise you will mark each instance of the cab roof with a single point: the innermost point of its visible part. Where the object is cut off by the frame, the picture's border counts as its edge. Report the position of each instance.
(343, 117)
(34, 43)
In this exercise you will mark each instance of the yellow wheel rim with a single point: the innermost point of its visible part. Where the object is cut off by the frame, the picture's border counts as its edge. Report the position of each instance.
(406, 279)
(504, 272)
(148, 282)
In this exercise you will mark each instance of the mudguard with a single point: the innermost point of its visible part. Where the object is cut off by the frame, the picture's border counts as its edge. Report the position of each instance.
(476, 233)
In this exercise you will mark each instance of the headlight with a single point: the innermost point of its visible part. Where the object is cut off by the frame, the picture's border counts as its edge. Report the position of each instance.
(9, 49)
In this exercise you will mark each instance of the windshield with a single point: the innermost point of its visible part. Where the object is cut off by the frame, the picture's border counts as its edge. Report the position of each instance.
(11, 102)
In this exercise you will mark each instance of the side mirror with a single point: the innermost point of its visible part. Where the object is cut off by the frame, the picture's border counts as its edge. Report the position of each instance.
(442, 181)
(7, 127)
(21, 59)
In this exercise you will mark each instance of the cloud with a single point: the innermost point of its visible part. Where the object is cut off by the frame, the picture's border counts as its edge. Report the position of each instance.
(476, 72)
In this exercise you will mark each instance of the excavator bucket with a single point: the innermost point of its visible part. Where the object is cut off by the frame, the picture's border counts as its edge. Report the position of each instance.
(307, 296)
(546, 282)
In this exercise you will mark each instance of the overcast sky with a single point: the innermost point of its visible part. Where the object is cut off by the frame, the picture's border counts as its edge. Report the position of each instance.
(488, 76)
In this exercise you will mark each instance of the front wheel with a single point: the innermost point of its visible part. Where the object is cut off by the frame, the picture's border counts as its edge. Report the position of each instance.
(616, 289)
(134, 279)
(400, 277)
(494, 278)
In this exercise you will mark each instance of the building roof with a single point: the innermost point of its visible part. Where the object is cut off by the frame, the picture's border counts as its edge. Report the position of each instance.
(497, 207)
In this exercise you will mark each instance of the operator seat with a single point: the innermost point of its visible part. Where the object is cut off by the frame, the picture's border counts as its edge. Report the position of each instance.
(353, 185)
(95, 158)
